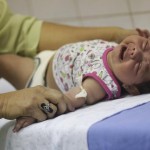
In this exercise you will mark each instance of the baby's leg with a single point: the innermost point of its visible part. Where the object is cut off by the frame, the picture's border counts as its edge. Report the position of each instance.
(16, 69)
(23, 122)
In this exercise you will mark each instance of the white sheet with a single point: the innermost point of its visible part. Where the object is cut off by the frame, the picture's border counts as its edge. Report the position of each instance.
(5, 86)
(66, 132)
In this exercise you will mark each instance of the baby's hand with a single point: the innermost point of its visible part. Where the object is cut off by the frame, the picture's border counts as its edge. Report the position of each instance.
(22, 122)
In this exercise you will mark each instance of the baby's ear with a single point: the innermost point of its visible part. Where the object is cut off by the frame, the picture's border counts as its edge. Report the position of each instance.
(131, 89)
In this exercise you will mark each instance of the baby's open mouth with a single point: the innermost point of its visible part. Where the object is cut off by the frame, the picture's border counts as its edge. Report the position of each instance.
(122, 52)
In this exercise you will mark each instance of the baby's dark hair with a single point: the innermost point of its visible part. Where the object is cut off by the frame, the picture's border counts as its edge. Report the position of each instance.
(142, 88)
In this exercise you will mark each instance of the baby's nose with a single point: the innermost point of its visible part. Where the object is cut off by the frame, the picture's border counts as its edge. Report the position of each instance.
(135, 53)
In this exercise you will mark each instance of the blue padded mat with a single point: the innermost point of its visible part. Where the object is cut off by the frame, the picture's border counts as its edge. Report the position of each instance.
(128, 130)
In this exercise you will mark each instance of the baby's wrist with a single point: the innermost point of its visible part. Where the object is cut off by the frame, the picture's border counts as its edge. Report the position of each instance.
(82, 93)
(76, 99)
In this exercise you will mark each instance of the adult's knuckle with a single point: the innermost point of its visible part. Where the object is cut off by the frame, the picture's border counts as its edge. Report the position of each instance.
(51, 116)
(40, 88)
(62, 110)
(28, 110)
(39, 92)
(31, 103)
(60, 97)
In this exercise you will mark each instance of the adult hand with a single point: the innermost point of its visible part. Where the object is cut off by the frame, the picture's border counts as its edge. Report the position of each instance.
(123, 33)
(27, 102)
(145, 33)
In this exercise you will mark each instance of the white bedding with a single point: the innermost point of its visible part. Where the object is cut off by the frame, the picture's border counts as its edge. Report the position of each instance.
(66, 132)
(5, 86)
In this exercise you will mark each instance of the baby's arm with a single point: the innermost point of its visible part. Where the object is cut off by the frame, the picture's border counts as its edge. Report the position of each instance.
(94, 91)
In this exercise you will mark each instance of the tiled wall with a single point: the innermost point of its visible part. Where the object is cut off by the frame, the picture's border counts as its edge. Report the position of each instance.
(123, 13)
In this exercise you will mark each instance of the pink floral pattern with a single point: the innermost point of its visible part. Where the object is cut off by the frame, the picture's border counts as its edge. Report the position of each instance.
(80, 60)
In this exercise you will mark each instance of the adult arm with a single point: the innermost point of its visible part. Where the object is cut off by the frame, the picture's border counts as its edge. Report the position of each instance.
(55, 35)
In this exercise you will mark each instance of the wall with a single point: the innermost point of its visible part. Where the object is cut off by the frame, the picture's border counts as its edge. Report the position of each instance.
(124, 13)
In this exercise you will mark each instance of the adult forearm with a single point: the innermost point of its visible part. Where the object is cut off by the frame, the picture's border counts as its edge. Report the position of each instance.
(1, 107)
(55, 35)
(6, 107)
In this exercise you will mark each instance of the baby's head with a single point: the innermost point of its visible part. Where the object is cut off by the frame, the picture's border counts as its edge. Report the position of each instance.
(130, 63)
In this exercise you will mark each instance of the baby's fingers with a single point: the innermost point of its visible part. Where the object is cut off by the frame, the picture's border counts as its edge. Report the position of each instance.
(23, 122)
